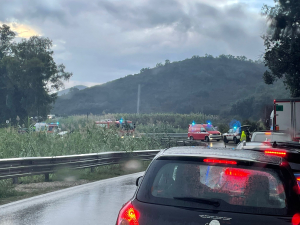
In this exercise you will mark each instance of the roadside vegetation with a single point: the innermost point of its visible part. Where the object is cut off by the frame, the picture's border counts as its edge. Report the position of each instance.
(85, 140)
(159, 122)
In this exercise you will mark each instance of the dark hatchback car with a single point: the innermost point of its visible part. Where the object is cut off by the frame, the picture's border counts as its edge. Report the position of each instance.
(195, 185)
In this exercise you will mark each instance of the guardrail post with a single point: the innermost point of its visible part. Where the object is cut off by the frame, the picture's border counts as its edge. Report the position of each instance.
(47, 177)
(15, 180)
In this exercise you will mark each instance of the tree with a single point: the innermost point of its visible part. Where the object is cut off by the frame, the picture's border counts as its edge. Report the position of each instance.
(282, 44)
(29, 76)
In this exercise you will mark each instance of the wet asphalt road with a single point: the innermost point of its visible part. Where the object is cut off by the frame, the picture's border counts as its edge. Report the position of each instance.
(94, 203)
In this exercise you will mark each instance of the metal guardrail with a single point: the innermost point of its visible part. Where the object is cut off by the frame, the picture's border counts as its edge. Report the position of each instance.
(18, 167)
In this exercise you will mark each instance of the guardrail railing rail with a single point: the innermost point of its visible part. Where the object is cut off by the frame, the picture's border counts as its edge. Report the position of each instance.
(19, 167)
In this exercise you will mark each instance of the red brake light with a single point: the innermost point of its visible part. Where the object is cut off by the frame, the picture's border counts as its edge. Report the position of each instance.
(128, 215)
(298, 179)
(220, 161)
(281, 153)
(296, 219)
(236, 172)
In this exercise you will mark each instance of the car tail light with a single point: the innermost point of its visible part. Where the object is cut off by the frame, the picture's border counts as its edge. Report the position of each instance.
(281, 153)
(296, 219)
(128, 215)
(268, 133)
(236, 172)
(222, 161)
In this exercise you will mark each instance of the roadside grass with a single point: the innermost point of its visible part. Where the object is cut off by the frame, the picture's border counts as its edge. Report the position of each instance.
(35, 185)
(145, 123)
(89, 139)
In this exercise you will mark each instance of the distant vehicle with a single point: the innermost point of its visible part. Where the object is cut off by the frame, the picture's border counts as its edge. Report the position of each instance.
(39, 127)
(125, 127)
(217, 186)
(49, 128)
(51, 116)
(270, 136)
(286, 116)
(204, 132)
(53, 128)
(234, 134)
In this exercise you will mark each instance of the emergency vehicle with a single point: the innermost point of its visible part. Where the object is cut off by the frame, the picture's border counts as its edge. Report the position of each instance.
(125, 127)
(286, 117)
(203, 132)
(49, 128)
(234, 134)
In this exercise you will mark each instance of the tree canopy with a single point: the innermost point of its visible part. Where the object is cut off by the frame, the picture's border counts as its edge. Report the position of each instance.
(28, 76)
(282, 43)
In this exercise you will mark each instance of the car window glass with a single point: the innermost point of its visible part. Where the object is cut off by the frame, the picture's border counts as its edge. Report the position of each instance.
(236, 187)
(273, 137)
(210, 128)
(202, 129)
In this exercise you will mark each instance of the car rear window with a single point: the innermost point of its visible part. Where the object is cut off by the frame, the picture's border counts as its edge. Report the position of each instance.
(236, 189)
(272, 137)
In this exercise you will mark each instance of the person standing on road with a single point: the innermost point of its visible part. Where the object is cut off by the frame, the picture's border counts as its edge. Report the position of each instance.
(243, 136)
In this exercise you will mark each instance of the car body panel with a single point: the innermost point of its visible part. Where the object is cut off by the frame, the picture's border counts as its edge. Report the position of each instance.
(200, 132)
(270, 136)
(164, 213)
(170, 215)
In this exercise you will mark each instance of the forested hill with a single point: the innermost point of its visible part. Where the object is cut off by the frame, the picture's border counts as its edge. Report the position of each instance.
(200, 84)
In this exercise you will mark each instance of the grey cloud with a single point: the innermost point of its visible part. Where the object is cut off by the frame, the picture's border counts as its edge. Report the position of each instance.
(108, 39)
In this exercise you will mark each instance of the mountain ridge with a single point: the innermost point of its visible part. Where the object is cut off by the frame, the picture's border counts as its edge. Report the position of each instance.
(199, 84)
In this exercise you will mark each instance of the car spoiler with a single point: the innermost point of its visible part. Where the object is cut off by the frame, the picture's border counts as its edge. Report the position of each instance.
(292, 148)
(289, 145)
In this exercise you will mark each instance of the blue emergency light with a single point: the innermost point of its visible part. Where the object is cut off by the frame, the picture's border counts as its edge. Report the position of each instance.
(193, 123)
(121, 120)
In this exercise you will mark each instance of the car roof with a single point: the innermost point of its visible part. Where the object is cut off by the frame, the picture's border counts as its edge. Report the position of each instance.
(264, 132)
(196, 125)
(203, 151)
(254, 145)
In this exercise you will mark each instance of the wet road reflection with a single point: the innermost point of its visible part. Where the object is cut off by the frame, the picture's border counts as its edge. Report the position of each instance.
(94, 203)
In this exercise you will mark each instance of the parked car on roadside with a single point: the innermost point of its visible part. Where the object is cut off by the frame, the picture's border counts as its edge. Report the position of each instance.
(194, 185)
(234, 134)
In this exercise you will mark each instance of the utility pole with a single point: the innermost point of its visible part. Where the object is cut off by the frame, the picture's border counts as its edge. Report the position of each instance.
(138, 99)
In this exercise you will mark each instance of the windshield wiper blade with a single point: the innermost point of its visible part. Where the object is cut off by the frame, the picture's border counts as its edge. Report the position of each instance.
(199, 200)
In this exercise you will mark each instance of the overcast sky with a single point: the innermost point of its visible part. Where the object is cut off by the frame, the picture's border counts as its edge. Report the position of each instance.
(102, 40)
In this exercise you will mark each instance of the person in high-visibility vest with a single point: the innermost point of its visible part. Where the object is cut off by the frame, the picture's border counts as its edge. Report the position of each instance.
(243, 136)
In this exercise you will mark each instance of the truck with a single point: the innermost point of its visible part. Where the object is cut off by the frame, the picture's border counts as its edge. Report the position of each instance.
(286, 117)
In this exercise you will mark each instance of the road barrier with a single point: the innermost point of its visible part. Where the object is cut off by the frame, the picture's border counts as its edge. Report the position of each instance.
(19, 167)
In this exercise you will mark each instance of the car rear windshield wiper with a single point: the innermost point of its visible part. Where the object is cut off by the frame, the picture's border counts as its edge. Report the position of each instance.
(199, 200)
